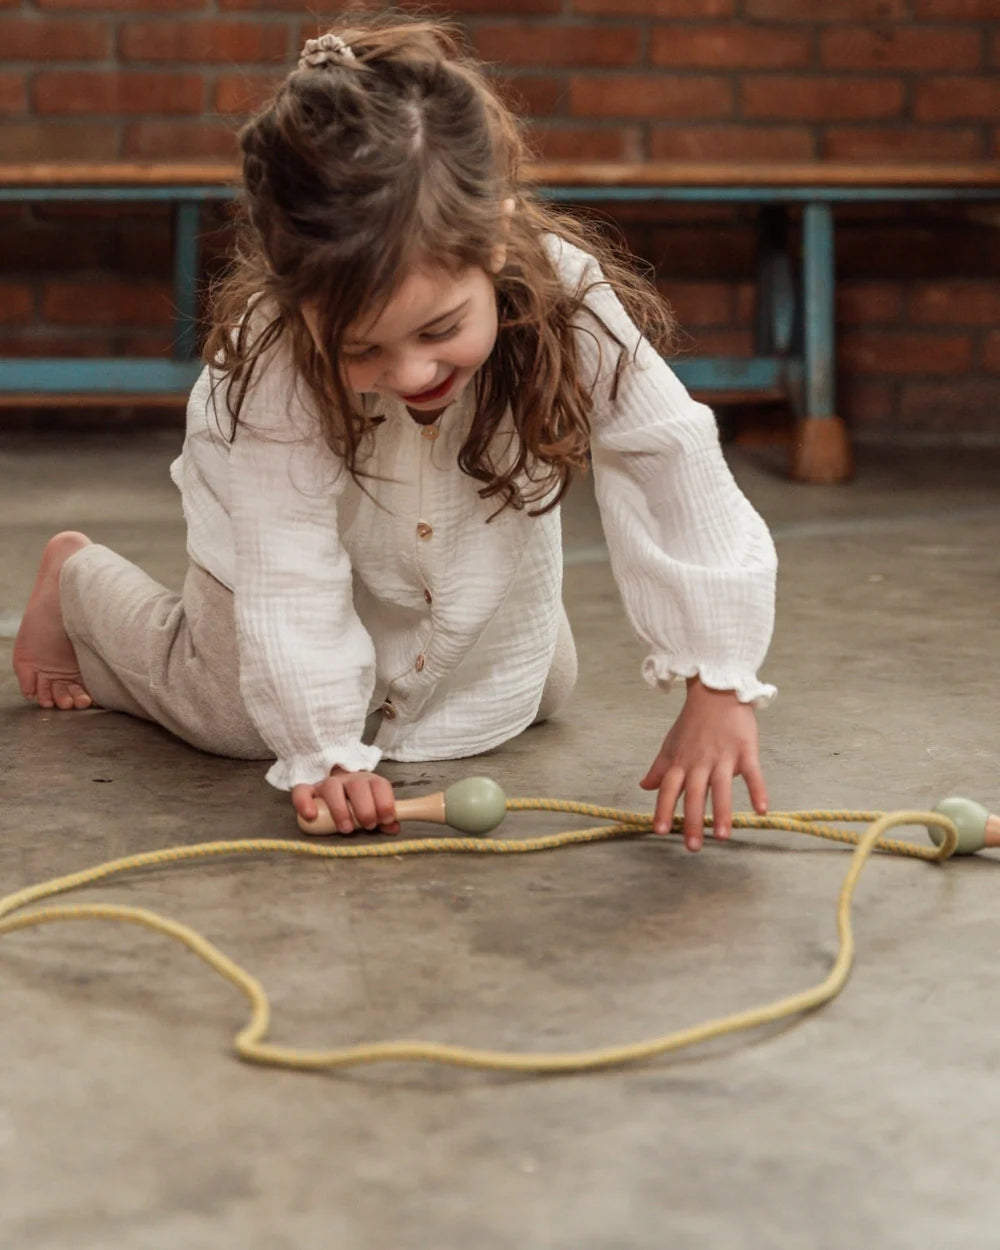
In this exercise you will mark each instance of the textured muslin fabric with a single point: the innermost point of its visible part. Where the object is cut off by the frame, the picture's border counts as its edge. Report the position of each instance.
(407, 594)
(173, 659)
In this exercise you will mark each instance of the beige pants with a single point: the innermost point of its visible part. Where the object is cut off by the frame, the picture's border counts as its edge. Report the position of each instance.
(172, 658)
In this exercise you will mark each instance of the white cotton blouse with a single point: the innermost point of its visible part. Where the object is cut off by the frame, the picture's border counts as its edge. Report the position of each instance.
(406, 599)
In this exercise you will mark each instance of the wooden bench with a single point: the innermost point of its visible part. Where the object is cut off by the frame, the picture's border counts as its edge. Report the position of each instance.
(794, 324)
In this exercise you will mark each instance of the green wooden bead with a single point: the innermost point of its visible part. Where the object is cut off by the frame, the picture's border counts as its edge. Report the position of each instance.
(969, 818)
(475, 805)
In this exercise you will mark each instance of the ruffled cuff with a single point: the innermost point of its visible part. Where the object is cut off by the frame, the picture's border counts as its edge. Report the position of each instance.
(661, 671)
(309, 770)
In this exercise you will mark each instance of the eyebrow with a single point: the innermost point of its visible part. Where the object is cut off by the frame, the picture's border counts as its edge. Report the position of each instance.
(452, 312)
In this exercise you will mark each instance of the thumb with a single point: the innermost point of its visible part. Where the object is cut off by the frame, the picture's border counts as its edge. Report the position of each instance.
(304, 801)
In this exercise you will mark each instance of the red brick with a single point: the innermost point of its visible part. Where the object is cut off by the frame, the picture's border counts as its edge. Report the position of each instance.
(243, 93)
(700, 303)
(869, 303)
(969, 10)
(956, 99)
(724, 143)
(106, 303)
(991, 351)
(537, 43)
(901, 143)
(827, 10)
(105, 5)
(13, 93)
(91, 92)
(41, 141)
(955, 303)
(556, 142)
(690, 252)
(946, 405)
(486, 8)
(656, 8)
(746, 301)
(821, 99)
(262, 6)
(882, 351)
(864, 400)
(17, 303)
(151, 139)
(531, 94)
(48, 39)
(651, 95)
(731, 46)
(41, 341)
(896, 47)
(204, 42)
(732, 342)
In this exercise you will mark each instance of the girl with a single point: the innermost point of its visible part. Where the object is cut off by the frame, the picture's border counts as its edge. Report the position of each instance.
(411, 355)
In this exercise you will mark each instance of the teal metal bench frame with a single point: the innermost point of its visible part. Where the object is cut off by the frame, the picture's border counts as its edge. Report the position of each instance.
(793, 351)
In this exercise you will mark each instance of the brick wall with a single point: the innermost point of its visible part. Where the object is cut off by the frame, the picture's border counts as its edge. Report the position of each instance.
(919, 291)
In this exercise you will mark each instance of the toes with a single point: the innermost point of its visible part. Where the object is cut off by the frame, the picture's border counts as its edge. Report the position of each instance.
(69, 694)
(43, 691)
(80, 697)
(27, 679)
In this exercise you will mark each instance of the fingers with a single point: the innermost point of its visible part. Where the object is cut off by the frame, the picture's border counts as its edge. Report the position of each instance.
(666, 803)
(695, 791)
(304, 801)
(354, 800)
(696, 785)
(756, 788)
(372, 801)
(722, 802)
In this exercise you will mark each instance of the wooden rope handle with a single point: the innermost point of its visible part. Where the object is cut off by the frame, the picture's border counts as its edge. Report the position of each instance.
(475, 805)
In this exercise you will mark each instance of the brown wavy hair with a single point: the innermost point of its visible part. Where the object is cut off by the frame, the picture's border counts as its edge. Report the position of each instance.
(363, 167)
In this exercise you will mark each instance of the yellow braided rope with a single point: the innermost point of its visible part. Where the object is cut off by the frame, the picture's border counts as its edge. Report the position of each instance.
(248, 1042)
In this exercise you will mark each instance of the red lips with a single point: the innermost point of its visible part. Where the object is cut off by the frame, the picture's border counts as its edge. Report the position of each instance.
(434, 393)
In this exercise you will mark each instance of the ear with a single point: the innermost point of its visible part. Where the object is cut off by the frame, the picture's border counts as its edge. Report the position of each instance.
(498, 256)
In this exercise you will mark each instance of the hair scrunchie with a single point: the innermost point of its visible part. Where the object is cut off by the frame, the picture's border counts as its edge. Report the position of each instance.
(325, 50)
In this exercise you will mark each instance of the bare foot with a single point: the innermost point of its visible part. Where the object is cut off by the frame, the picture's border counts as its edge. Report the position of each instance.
(44, 659)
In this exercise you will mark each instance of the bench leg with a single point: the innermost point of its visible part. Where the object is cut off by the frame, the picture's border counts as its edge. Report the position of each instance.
(774, 321)
(821, 448)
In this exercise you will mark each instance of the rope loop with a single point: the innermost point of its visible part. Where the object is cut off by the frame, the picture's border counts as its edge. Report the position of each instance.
(251, 1046)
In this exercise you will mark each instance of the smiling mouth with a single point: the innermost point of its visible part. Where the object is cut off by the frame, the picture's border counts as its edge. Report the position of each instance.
(436, 392)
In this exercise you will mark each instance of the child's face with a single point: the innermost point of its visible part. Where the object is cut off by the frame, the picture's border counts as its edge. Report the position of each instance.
(428, 341)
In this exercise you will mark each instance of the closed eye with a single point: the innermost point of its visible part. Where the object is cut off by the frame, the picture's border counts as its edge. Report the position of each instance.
(438, 336)
(365, 355)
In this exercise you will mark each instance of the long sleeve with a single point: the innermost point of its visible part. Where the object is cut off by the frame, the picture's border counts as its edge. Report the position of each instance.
(307, 662)
(694, 562)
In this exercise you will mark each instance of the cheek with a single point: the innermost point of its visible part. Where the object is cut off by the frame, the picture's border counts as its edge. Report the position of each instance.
(472, 349)
(359, 378)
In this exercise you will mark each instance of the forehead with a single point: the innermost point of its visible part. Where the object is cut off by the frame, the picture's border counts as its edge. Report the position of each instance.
(424, 294)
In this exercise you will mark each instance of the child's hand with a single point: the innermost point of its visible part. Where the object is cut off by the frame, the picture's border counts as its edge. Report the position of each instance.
(355, 800)
(713, 740)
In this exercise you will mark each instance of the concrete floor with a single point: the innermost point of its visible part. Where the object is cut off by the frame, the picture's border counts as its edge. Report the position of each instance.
(126, 1123)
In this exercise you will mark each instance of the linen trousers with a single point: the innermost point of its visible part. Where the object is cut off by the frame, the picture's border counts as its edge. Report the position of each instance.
(173, 659)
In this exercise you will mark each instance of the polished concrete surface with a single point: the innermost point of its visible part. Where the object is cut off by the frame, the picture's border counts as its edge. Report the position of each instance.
(125, 1122)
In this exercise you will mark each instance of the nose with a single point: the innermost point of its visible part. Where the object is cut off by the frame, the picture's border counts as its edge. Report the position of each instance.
(410, 375)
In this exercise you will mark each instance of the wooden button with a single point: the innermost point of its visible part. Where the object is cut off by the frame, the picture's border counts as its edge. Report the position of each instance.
(419, 666)
(424, 530)
(430, 432)
(428, 597)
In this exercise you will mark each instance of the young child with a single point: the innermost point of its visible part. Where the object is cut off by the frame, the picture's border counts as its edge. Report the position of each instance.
(411, 355)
